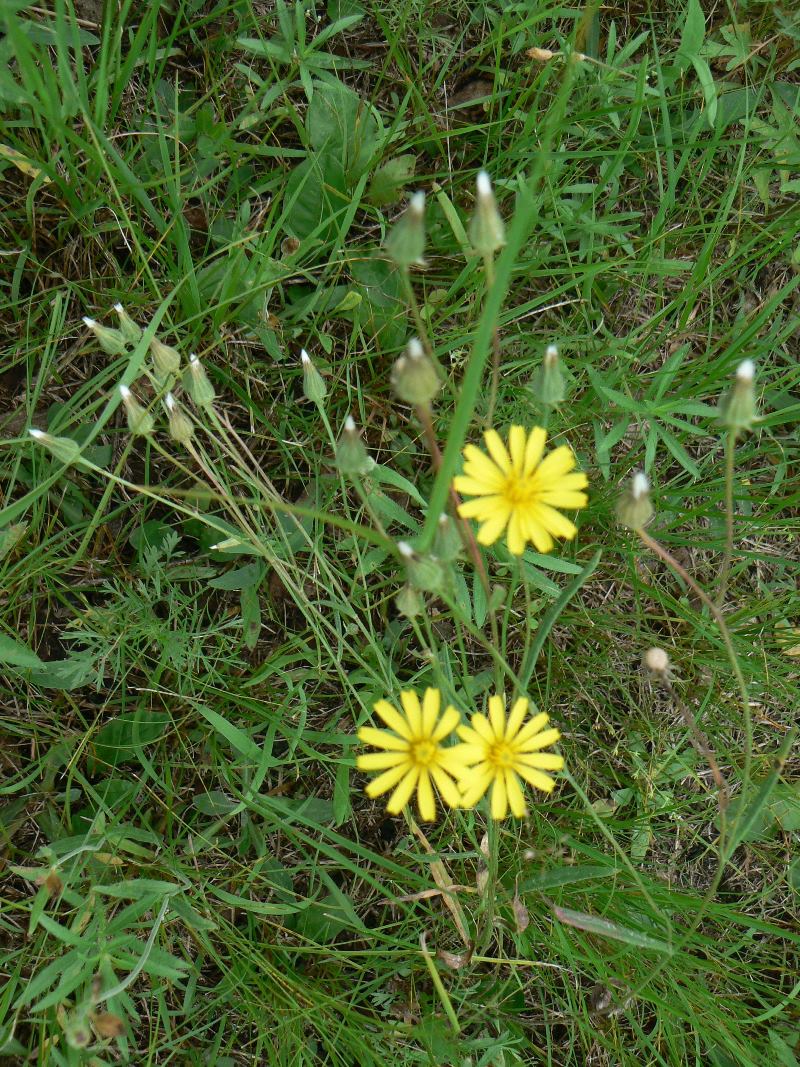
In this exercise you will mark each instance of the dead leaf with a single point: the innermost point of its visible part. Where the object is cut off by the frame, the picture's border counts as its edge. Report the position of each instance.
(106, 1024)
(22, 163)
(444, 881)
(520, 913)
(454, 960)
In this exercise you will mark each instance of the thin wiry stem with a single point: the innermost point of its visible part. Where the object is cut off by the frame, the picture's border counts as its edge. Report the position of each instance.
(730, 455)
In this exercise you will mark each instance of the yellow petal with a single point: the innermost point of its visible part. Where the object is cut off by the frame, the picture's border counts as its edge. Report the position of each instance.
(446, 724)
(542, 740)
(516, 446)
(493, 527)
(534, 449)
(474, 787)
(533, 726)
(410, 702)
(430, 711)
(541, 761)
(379, 761)
(425, 800)
(482, 507)
(515, 719)
(382, 739)
(481, 467)
(384, 782)
(563, 498)
(560, 461)
(480, 724)
(393, 719)
(462, 483)
(516, 533)
(536, 779)
(516, 798)
(497, 450)
(466, 733)
(469, 754)
(542, 540)
(402, 794)
(554, 522)
(447, 787)
(497, 716)
(453, 760)
(499, 797)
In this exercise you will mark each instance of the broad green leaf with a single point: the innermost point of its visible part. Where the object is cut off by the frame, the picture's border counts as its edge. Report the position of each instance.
(236, 738)
(694, 30)
(15, 654)
(593, 924)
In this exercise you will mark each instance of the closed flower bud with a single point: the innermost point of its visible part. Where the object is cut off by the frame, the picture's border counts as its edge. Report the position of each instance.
(63, 448)
(427, 574)
(414, 377)
(180, 425)
(447, 542)
(166, 360)
(130, 330)
(487, 232)
(111, 341)
(405, 242)
(549, 381)
(314, 387)
(634, 508)
(738, 406)
(139, 421)
(408, 602)
(197, 384)
(351, 452)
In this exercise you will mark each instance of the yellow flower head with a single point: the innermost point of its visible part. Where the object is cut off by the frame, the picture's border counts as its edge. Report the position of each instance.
(413, 755)
(503, 751)
(518, 489)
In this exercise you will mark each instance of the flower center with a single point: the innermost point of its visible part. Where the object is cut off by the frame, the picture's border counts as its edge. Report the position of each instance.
(423, 752)
(501, 754)
(519, 492)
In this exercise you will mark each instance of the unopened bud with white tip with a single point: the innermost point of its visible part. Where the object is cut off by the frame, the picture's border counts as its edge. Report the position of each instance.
(487, 232)
(197, 384)
(548, 385)
(351, 452)
(314, 387)
(180, 425)
(634, 508)
(111, 341)
(414, 377)
(166, 360)
(129, 329)
(738, 406)
(405, 242)
(63, 448)
(140, 422)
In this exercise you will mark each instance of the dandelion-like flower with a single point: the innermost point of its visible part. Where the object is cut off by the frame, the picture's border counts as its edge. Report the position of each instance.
(501, 752)
(516, 488)
(413, 756)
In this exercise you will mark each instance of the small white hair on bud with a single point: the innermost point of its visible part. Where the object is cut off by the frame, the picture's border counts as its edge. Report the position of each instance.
(746, 370)
(405, 549)
(119, 309)
(124, 392)
(640, 486)
(37, 434)
(91, 323)
(350, 424)
(483, 184)
(169, 400)
(656, 660)
(444, 518)
(415, 349)
(417, 202)
(305, 359)
(551, 352)
(193, 360)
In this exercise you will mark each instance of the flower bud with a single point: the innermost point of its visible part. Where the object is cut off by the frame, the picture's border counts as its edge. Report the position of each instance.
(351, 452)
(111, 341)
(314, 387)
(549, 381)
(414, 377)
(738, 406)
(405, 242)
(447, 542)
(166, 360)
(139, 421)
(180, 425)
(197, 384)
(634, 508)
(427, 574)
(656, 661)
(130, 330)
(487, 233)
(63, 448)
(408, 602)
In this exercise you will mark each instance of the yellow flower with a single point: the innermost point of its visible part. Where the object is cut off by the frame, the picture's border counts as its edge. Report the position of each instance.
(502, 752)
(413, 755)
(518, 489)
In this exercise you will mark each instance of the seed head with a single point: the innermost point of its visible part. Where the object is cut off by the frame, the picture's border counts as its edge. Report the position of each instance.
(414, 377)
(738, 406)
(197, 384)
(351, 452)
(314, 387)
(405, 242)
(112, 342)
(166, 360)
(487, 232)
(129, 329)
(549, 384)
(140, 422)
(634, 508)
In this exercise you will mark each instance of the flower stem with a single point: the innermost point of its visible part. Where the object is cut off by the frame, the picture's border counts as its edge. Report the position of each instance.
(730, 455)
(488, 267)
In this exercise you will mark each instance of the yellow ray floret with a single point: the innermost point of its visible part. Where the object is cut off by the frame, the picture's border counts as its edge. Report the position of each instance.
(515, 488)
(500, 751)
(413, 756)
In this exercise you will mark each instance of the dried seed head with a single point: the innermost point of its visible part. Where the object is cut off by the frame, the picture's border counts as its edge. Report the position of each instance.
(657, 661)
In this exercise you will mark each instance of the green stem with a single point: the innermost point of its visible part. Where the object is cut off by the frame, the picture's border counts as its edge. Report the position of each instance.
(730, 456)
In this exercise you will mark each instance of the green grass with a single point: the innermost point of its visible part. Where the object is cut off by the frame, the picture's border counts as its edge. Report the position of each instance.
(188, 852)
